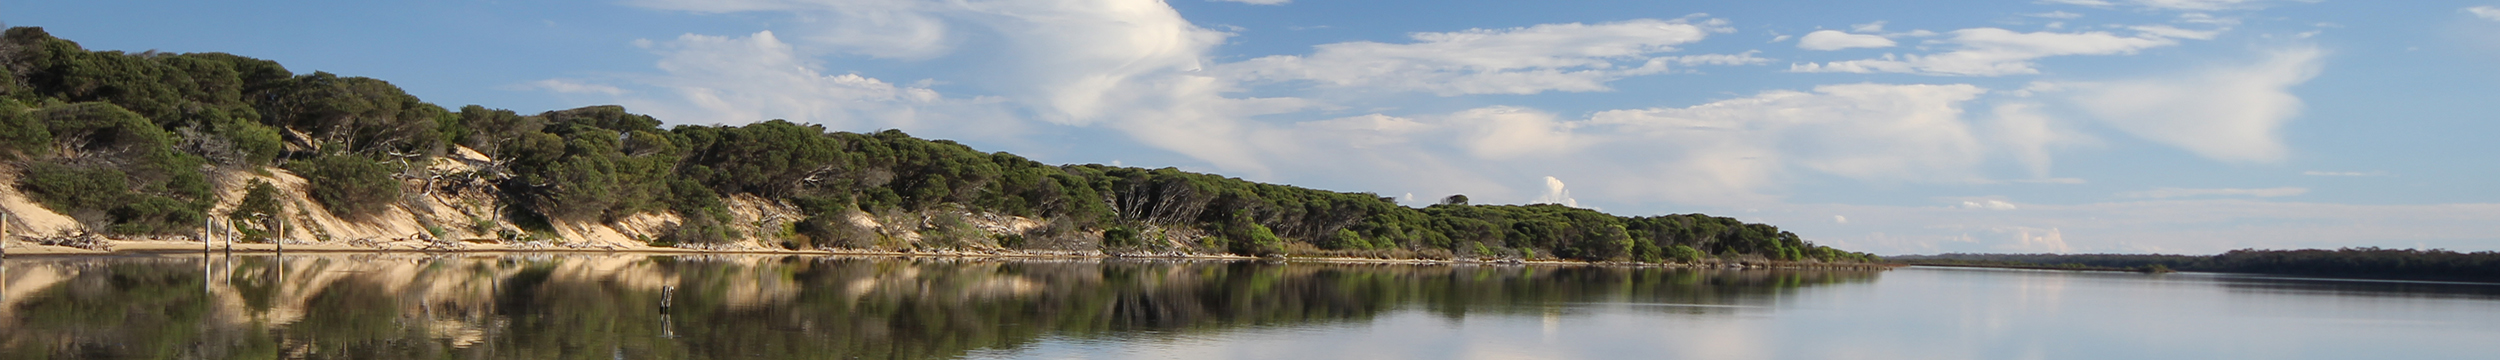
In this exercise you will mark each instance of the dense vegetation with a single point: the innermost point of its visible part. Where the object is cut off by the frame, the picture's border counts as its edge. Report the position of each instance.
(2367, 262)
(146, 125)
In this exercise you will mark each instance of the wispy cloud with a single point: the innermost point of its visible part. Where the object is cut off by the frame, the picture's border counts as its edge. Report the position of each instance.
(2485, 12)
(2165, 193)
(1996, 52)
(1827, 40)
(1551, 57)
(2343, 173)
(2231, 114)
(2186, 5)
(2056, 15)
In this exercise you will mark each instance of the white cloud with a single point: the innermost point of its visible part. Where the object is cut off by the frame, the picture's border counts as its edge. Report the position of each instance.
(2228, 114)
(2485, 12)
(736, 80)
(1257, 2)
(1503, 132)
(1995, 52)
(2165, 193)
(2174, 32)
(1990, 204)
(2028, 136)
(1835, 40)
(1744, 58)
(1727, 149)
(2208, 19)
(1837, 219)
(1555, 193)
(1726, 152)
(880, 28)
(1551, 57)
(1868, 27)
(2056, 15)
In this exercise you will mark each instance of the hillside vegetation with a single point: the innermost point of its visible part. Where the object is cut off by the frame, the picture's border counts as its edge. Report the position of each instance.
(135, 144)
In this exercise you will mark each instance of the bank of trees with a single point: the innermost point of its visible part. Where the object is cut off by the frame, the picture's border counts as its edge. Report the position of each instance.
(144, 126)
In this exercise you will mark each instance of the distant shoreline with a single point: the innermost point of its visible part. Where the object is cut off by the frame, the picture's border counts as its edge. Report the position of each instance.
(2348, 263)
(124, 247)
(2026, 267)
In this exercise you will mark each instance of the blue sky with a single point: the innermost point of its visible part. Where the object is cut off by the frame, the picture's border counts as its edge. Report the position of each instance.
(1897, 127)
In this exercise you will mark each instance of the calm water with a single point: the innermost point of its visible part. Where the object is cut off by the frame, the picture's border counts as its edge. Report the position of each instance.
(610, 307)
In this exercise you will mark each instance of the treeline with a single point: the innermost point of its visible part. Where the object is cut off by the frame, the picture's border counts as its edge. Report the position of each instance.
(147, 124)
(2363, 262)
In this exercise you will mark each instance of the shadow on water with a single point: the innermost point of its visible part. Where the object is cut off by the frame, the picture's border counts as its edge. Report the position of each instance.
(699, 307)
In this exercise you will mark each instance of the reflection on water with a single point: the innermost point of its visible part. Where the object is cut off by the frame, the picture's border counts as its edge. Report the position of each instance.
(695, 307)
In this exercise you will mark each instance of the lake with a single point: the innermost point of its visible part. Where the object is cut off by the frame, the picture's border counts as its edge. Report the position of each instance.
(585, 306)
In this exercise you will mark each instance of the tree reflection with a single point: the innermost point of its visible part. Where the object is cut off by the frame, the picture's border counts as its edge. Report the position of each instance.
(561, 307)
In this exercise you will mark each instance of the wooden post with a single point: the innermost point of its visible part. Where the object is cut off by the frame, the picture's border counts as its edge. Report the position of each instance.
(231, 233)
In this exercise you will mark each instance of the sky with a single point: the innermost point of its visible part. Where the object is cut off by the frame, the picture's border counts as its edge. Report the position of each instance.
(1893, 127)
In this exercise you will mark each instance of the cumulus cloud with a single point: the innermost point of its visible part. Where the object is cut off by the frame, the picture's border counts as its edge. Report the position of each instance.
(1136, 67)
(1556, 193)
(2165, 193)
(2230, 114)
(1527, 60)
(2485, 12)
(718, 79)
(1996, 52)
(1828, 40)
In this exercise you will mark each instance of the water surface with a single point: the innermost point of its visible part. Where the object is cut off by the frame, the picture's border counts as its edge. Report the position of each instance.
(748, 307)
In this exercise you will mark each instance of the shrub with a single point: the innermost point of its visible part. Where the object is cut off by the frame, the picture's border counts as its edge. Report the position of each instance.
(1120, 236)
(350, 185)
(1683, 254)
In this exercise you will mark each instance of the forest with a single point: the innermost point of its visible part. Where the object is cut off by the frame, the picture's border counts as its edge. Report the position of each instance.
(128, 143)
(2363, 262)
